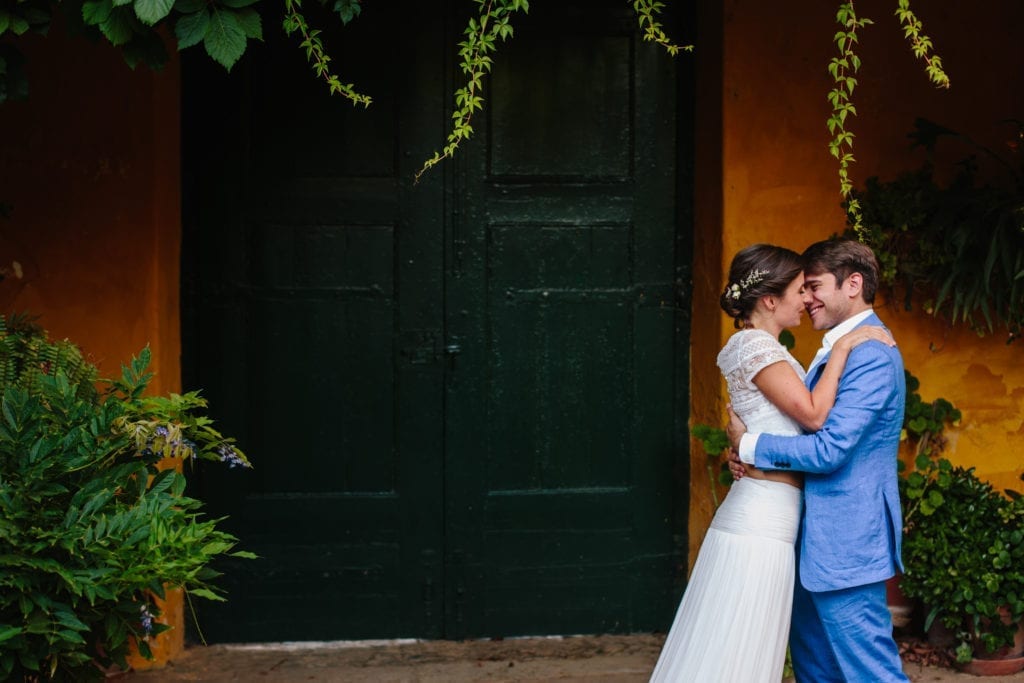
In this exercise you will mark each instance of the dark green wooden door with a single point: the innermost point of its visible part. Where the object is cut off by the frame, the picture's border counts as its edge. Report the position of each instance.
(562, 403)
(464, 398)
(315, 292)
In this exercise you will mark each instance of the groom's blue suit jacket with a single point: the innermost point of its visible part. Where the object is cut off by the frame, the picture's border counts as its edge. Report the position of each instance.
(851, 529)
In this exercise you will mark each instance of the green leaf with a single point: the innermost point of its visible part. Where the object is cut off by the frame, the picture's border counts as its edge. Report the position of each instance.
(118, 26)
(204, 593)
(216, 548)
(787, 339)
(225, 40)
(249, 20)
(151, 11)
(18, 25)
(95, 12)
(347, 10)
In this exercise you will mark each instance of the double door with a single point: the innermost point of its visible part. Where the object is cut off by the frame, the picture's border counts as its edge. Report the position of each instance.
(465, 397)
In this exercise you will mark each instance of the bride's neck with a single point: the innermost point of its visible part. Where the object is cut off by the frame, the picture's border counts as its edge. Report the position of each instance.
(760, 321)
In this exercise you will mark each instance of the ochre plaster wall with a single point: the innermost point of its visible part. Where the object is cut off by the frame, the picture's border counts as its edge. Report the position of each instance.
(777, 183)
(90, 164)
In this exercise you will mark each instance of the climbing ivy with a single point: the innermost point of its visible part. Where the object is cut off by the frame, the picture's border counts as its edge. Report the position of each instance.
(226, 27)
(481, 37)
(843, 69)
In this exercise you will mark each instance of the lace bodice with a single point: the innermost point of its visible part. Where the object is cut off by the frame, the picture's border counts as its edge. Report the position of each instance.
(745, 354)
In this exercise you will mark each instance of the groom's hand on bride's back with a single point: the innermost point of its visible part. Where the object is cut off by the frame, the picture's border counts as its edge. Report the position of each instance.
(736, 467)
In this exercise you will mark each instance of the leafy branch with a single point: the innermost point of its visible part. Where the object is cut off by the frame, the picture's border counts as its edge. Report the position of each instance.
(482, 34)
(921, 45)
(842, 69)
(318, 58)
(225, 28)
(647, 11)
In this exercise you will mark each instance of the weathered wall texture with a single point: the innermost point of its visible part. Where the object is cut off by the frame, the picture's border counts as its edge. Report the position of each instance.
(90, 164)
(778, 184)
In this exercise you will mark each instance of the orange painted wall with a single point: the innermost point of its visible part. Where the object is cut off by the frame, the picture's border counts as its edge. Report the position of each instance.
(777, 183)
(90, 164)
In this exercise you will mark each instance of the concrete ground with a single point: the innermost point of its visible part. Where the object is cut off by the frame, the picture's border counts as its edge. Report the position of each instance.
(575, 659)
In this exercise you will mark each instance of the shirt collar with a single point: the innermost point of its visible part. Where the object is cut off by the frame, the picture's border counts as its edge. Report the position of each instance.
(842, 328)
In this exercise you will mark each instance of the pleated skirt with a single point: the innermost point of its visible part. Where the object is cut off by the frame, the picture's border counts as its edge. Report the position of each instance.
(732, 624)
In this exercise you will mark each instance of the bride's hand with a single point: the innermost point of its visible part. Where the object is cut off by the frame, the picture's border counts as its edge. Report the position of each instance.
(859, 335)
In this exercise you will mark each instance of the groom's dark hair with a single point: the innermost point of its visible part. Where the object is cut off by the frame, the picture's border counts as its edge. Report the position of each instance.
(842, 257)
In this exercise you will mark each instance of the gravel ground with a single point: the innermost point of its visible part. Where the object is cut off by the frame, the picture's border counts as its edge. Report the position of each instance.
(575, 659)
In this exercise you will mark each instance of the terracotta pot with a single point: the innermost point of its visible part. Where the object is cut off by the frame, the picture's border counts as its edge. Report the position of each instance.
(1008, 660)
(993, 667)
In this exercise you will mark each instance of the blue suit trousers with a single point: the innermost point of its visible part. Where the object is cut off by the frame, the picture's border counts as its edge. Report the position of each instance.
(844, 636)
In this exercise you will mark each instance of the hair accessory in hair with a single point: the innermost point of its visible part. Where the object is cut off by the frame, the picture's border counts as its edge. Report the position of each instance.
(752, 278)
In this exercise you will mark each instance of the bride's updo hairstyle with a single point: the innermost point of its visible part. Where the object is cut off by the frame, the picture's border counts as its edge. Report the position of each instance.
(756, 271)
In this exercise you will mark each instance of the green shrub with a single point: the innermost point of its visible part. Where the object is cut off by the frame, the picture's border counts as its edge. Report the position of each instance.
(964, 554)
(91, 528)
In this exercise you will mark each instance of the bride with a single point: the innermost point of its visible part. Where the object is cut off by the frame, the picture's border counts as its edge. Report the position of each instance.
(733, 622)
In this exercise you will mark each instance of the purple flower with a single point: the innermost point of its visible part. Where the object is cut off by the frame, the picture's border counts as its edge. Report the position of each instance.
(145, 619)
(230, 456)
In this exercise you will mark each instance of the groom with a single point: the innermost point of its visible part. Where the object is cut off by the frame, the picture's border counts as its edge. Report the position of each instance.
(850, 534)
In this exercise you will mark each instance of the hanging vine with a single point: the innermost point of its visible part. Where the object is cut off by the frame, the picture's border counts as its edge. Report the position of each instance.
(225, 27)
(843, 69)
(482, 35)
(647, 12)
(921, 45)
(319, 60)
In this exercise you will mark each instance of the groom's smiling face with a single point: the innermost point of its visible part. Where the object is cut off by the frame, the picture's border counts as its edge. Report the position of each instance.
(826, 304)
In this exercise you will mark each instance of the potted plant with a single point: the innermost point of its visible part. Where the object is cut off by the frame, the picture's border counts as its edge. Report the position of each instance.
(93, 527)
(952, 238)
(964, 555)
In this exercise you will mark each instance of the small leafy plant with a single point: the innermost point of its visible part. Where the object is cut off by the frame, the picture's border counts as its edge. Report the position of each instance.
(924, 422)
(92, 527)
(964, 555)
(714, 441)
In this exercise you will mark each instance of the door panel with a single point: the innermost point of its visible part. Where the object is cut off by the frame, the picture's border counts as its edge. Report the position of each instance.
(573, 121)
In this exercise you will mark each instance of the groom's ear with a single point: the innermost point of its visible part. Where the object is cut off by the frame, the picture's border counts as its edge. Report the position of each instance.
(854, 284)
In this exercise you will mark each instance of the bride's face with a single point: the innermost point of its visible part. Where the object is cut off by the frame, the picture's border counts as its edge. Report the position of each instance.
(790, 307)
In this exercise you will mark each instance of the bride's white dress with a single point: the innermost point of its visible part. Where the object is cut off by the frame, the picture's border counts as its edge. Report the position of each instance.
(733, 622)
